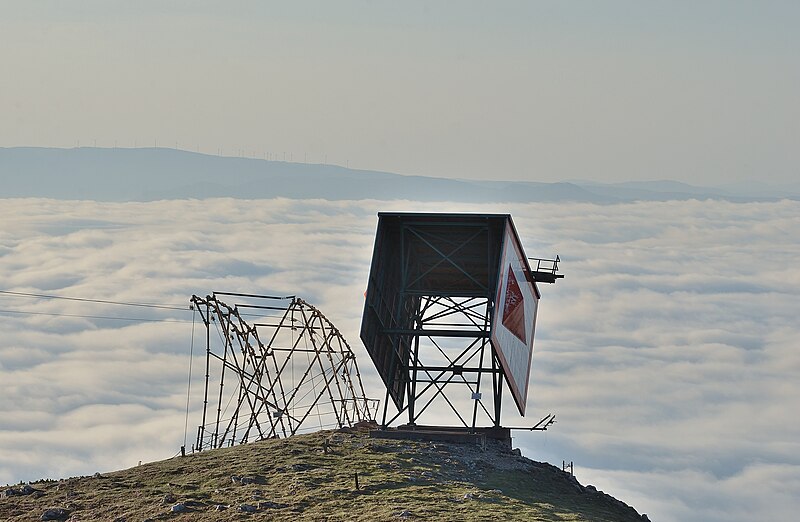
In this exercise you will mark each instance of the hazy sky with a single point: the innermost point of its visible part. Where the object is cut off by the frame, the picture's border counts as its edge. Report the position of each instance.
(703, 92)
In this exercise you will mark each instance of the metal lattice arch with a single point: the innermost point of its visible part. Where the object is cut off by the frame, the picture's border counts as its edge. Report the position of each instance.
(275, 367)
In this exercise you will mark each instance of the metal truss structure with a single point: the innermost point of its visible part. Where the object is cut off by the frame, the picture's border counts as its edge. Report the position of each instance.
(451, 348)
(292, 371)
(428, 320)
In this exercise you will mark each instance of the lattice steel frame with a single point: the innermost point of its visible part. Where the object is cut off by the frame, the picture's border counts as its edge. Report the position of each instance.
(451, 347)
(291, 367)
(427, 320)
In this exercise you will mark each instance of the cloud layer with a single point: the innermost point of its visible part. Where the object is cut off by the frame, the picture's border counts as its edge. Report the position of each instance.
(667, 353)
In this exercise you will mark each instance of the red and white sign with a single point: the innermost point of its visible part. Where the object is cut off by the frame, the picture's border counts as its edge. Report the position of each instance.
(514, 319)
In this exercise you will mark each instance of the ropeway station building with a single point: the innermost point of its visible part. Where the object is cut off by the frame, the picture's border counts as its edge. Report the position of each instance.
(449, 321)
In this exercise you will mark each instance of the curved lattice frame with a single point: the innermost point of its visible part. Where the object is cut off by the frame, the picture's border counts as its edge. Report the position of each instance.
(291, 368)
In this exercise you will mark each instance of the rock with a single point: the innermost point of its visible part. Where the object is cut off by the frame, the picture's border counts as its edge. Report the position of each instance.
(404, 514)
(179, 508)
(97, 475)
(220, 507)
(9, 492)
(468, 496)
(121, 519)
(27, 489)
(169, 498)
(55, 514)
(516, 452)
(247, 508)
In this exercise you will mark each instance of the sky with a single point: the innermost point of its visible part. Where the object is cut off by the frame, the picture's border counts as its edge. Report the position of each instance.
(668, 352)
(700, 92)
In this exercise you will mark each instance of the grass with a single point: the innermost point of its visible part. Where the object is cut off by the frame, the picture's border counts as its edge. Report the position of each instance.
(296, 479)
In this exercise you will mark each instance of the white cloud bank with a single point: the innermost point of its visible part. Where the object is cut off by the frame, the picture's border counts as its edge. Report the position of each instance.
(668, 352)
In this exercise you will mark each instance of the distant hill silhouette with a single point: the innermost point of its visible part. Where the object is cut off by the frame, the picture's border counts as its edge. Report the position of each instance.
(147, 174)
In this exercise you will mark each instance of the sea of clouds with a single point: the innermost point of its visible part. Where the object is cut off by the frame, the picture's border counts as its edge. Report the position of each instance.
(668, 353)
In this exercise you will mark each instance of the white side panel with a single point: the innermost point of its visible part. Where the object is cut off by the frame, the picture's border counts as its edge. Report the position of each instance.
(514, 319)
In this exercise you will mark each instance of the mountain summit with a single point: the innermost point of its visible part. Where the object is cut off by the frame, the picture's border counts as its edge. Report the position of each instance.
(338, 475)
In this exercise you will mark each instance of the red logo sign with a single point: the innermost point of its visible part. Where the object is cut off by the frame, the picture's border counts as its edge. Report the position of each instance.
(514, 307)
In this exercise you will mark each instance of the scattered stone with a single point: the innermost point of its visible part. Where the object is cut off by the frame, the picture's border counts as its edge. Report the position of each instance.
(97, 475)
(179, 508)
(27, 489)
(247, 508)
(169, 498)
(404, 514)
(220, 507)
(55, 514)
(9, 492)
(468, 496)
(516, 452)
(236, 479)
(121, 518)
(496, 491)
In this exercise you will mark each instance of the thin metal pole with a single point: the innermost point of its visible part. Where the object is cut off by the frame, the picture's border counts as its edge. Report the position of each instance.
(207, 321)
(222, 383)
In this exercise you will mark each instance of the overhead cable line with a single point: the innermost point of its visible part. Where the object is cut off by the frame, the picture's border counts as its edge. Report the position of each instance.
(53, 314)
(87, 300)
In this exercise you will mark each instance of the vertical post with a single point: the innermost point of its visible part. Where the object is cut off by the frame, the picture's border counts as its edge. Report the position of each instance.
(478, 388)
(486, 327)
(207, 321)
(413, 391)
(497, 380)
(222, 384)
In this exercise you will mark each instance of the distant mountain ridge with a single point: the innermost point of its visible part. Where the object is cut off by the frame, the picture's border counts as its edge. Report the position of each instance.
(148, 174)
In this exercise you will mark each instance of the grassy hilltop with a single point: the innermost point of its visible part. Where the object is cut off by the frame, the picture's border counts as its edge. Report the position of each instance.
(312, 477)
